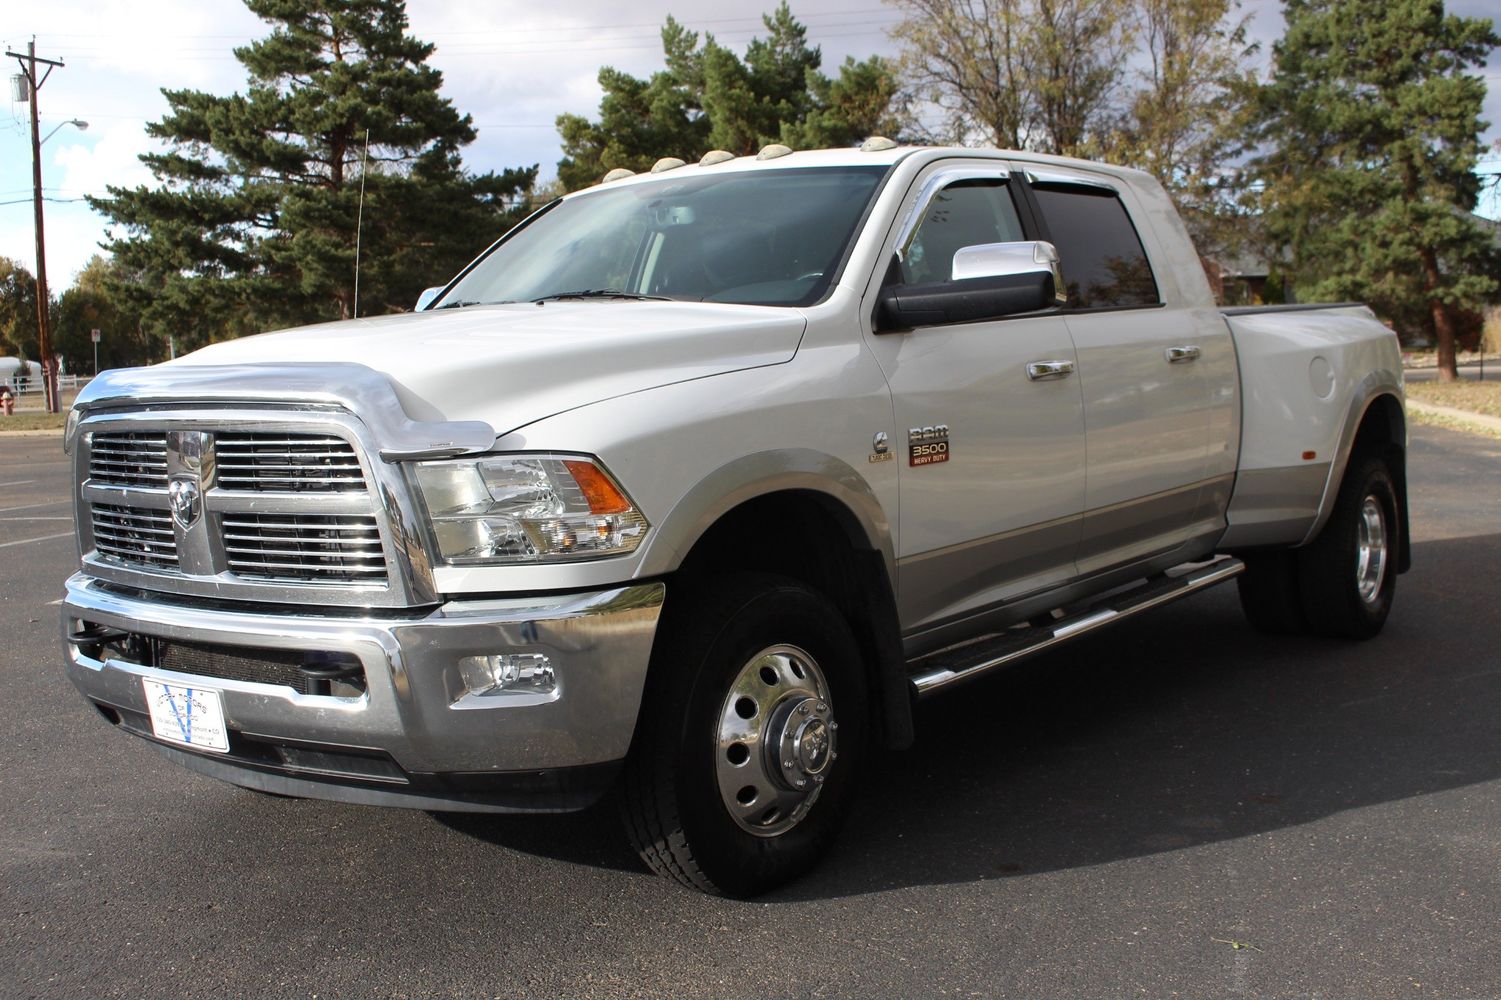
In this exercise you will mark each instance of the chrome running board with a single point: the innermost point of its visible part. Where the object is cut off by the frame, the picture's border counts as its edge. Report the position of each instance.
(950, 666)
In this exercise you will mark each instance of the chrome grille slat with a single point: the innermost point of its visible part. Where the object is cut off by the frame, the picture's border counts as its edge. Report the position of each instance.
(134, 536)
(310, 548)
(129, 458)
(284, 462)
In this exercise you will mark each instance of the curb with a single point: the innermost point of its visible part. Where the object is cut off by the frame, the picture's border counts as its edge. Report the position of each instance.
(1468, 416)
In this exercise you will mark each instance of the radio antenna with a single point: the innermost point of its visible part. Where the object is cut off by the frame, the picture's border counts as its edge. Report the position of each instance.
(359, 223)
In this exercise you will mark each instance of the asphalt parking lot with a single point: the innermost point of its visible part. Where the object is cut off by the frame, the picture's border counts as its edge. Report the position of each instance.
(1177, 808)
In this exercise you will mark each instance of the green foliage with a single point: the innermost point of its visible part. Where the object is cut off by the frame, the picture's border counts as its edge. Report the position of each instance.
(706, 97)
(254, 221)
(1370, 132)
(18, 332)
(90, 304)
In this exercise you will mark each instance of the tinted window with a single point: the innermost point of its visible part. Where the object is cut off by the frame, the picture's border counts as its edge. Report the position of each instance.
(1104, 265)
(967, 213)
(765, 237)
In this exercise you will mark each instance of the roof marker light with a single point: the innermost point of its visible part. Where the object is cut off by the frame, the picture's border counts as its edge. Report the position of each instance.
(666, 163)
(877, 144)
(714, 156)
(618, 174)
(772, 151)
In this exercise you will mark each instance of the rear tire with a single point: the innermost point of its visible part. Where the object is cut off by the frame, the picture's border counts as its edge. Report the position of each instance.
(1348, 575)
(752, 733)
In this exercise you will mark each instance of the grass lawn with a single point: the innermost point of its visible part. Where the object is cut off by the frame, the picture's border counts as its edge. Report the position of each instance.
(33, 420)
(1477, 397)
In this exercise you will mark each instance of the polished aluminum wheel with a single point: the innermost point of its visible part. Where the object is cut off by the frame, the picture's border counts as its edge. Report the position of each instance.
(1370, 550)
(776, 741)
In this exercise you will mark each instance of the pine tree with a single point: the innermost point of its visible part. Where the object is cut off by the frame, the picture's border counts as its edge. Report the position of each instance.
(254, 221)
(706, 97)
(1370, 128)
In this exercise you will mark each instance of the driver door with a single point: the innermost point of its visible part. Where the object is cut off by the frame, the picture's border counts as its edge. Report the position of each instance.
(998, 515)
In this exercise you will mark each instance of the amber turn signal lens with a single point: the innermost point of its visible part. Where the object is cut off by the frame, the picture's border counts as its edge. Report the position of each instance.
(603, 496)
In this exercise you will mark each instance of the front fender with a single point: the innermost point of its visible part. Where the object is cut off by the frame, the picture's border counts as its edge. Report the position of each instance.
(759, 474)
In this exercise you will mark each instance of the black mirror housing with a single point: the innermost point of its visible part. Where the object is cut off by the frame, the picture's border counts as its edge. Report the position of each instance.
(903, 307)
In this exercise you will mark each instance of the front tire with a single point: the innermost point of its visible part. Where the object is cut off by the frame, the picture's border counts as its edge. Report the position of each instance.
(751, 736)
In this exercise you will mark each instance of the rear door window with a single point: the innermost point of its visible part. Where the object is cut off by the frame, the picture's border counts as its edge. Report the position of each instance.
(1104, 263)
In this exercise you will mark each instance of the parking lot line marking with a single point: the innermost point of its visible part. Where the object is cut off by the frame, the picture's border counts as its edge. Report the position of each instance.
(28, 541)
(58, 601)
(38, 517)
(29, 506)
(21, 482)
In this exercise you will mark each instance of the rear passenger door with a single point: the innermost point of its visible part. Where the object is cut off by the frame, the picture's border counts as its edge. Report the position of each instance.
(1149, 408)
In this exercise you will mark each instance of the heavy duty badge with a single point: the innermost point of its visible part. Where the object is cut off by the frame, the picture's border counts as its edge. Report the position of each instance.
(928, 445)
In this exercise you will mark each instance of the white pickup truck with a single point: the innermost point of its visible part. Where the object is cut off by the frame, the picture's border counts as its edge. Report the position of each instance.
(696, 480)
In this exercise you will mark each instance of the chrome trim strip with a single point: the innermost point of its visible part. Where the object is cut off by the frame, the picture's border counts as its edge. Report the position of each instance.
(937, 181)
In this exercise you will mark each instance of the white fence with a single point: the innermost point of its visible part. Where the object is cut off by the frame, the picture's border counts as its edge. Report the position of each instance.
(33, 385)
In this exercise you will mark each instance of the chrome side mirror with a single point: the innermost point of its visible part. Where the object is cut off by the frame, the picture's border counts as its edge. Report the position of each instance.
(995, 260)
(426, 298)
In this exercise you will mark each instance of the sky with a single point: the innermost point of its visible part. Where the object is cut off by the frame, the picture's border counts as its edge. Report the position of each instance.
(514, 66)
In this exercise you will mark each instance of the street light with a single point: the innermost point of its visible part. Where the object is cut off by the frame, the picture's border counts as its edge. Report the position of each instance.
(77, 123)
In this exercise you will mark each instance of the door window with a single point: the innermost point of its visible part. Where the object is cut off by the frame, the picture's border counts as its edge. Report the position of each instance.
(966, 213)
(1104, 264)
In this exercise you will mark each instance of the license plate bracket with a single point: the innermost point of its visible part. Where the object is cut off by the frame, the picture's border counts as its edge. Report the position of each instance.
(187, 715)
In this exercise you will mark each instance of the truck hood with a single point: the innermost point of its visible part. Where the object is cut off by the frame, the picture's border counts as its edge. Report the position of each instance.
(510, 365)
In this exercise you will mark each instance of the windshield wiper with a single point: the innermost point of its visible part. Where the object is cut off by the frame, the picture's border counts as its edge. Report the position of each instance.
(459, 304)
(602, 293)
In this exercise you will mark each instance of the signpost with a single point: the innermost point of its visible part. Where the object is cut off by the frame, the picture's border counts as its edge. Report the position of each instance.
(94, 336)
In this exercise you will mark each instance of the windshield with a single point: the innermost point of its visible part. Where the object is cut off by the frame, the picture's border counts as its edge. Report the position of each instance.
(766, 237)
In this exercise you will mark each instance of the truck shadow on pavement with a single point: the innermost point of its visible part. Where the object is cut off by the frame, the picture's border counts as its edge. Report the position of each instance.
(1181, 728)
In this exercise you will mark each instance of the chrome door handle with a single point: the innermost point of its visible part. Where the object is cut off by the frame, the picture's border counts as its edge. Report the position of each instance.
(1047, 371)
(1178, 355)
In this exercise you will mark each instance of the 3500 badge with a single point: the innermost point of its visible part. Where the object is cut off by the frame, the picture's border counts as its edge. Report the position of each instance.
(928, 445)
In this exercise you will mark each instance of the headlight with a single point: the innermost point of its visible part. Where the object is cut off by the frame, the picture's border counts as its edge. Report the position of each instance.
(70, 431)
(527, 508)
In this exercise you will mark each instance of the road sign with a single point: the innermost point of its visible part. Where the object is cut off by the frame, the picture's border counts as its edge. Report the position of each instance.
(94, 336)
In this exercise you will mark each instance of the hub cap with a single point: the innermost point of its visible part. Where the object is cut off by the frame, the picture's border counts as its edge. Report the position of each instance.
(1370, 550)
(776, 741)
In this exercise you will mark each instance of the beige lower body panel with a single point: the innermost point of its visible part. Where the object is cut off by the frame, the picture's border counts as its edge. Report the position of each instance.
(1274, 506)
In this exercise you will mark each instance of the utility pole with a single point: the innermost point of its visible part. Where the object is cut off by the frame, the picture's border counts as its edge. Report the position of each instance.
(43, 315)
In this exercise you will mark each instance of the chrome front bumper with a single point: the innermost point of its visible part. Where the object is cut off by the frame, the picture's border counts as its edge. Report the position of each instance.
(423, 739)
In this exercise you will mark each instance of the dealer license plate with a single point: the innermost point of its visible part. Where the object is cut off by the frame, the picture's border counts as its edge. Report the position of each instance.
(191, 716)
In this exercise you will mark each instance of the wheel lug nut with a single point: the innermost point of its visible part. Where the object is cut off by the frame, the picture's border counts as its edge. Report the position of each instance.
(802, 783)
(818, 779)
(803, 708)
(833, 725)
(787, 764)
(822, 707)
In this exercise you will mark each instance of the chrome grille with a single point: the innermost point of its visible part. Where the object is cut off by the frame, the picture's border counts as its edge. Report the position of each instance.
(134, 535)
(286, 463)
(129, 459)
(304, 547)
